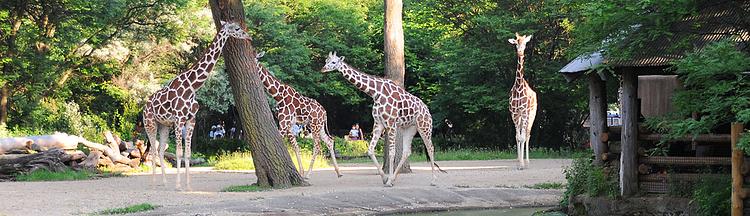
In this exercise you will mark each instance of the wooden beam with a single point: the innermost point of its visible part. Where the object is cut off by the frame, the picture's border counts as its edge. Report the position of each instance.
(686, 161)
(598, 116)
(739, 193)
(691, 177)
(629, 136)
(701, 138)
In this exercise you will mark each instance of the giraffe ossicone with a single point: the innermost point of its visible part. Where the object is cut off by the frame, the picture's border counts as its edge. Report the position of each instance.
(174, 106)
(523, 103)
(293, 108)
(394, 109)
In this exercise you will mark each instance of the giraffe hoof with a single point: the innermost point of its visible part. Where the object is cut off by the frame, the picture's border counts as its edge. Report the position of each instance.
(339, 175)
(519, 168)
(388, 184)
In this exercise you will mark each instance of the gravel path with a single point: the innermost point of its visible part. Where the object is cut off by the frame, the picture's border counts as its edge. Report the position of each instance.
(468, 184)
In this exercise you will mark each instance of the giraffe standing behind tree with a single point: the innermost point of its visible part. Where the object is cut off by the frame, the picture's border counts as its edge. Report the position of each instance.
(174, 106)
(292, 108)
(393, 109)
(522, 103)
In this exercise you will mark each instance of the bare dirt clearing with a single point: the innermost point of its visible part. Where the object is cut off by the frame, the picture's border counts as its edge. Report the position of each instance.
(473, 184)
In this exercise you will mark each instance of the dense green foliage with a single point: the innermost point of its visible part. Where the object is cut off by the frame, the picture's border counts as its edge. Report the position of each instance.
(458, 62)
(713, 196)
(713, 76)
(585, 178)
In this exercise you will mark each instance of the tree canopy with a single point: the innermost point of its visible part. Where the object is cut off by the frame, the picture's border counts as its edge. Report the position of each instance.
(97, 61)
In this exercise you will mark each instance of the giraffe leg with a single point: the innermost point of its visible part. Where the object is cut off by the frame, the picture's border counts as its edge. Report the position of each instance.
(188, 151)
(407, 136)
(532, 117)
(377, 131)
(316, 150)
(178, 152)
(391, 157)
(163, 145)
(519, 147)
(425, 131)
(151, 131)
(329, 143)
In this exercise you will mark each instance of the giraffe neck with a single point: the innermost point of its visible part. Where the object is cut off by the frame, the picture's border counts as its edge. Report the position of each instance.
(272, 85)
(519, 69)
(198, 73)
(364, 82)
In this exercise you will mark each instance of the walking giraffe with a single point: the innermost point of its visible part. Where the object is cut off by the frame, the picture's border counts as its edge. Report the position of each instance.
(522, 103)
(175, 106)
(393, 109)
(292, 108)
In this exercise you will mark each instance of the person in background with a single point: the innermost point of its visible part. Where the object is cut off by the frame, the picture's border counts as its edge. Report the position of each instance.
(356, 133)
(211, 133)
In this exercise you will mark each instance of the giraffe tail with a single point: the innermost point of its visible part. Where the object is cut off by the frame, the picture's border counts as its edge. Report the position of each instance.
(431, 159)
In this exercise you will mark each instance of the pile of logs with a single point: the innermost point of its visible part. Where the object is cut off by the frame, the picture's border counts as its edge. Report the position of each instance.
(60, 151)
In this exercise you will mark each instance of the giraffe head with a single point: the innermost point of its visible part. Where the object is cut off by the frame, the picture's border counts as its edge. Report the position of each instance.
(520, 43)
(333, 62)
(234, 29)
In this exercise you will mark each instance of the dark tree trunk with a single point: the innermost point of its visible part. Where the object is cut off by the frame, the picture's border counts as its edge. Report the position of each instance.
(4, 94)
(394, 67)
(273, 165)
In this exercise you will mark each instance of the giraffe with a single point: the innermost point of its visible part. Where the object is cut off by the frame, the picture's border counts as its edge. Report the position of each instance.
(175, 106)
(523, 103)
(292, 108)
(394, 108)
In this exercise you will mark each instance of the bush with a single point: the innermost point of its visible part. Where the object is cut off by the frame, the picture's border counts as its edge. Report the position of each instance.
(352, 148)
(585, 178)
(215, 147)
(713, 196)
(244, 160)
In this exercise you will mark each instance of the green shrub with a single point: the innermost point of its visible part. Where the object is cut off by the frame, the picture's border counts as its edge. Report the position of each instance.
(713, 196)
(585, 178)
(352, 148)
(215, 147)
(244, 160)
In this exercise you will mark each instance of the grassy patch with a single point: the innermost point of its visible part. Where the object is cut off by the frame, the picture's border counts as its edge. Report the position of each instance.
(46, 175)
(244, 188)
(244, 160)
(130, 209)
(535, 153)
(547, 185)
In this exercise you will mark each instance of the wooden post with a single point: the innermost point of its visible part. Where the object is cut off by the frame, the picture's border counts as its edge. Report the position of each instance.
(738, 192)
(598, 116)
(629, 136)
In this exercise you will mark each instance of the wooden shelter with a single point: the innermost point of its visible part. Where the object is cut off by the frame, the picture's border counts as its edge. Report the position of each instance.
(646, 85)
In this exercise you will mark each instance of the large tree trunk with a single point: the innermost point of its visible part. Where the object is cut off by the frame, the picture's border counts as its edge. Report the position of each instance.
(395, 68)
(273, 165)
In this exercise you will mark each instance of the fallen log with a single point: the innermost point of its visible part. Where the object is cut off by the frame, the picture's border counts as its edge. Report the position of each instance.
(56, 140)
(92, 161)
(114, 156)
(14, 143)
(106, 161)
(53, 160)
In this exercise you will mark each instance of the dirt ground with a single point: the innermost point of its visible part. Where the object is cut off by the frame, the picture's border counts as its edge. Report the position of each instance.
(468, 184)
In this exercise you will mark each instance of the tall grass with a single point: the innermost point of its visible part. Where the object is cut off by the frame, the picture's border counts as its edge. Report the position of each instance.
(244, 160)
(46, 175)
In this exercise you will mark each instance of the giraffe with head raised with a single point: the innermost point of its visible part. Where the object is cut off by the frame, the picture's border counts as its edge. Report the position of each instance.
(394, 109)
(174, 106)
(523, 103)
(292, 107)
